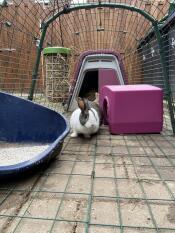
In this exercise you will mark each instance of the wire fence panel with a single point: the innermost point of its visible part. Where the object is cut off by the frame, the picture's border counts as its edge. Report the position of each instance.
(109, 183)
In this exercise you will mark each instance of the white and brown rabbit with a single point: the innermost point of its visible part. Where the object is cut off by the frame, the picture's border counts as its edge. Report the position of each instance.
(86, 119)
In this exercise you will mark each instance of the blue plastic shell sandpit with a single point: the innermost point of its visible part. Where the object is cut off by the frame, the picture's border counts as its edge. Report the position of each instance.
(23, 121)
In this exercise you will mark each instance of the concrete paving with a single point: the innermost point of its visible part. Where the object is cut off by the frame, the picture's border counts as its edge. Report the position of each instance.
(106, 184)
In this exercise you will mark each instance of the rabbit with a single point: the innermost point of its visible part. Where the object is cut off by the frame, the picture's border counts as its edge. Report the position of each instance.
(86, 119)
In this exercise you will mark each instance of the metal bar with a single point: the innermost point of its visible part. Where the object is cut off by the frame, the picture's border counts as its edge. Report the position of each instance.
(67, 9)
(168, 93)
(90, 224)
(87, 194)
(90, 199)
(61, 32)
(36, 67)
(117, 191)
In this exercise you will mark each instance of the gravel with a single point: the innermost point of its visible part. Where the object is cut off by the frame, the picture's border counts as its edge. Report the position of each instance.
(13, 153)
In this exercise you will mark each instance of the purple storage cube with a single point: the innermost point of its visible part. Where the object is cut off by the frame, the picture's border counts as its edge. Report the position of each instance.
(132, 108)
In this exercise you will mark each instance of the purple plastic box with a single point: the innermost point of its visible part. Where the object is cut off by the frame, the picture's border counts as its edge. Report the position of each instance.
(132, 108)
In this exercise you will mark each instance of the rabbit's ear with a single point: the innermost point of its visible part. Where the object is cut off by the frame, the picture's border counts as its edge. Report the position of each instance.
(96, 97)
(81, 104)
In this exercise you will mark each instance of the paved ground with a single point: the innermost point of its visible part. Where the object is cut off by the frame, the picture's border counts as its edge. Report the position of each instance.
(107, 184)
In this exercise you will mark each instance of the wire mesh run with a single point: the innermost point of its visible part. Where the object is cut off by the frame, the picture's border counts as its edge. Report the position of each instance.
(107, 184)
